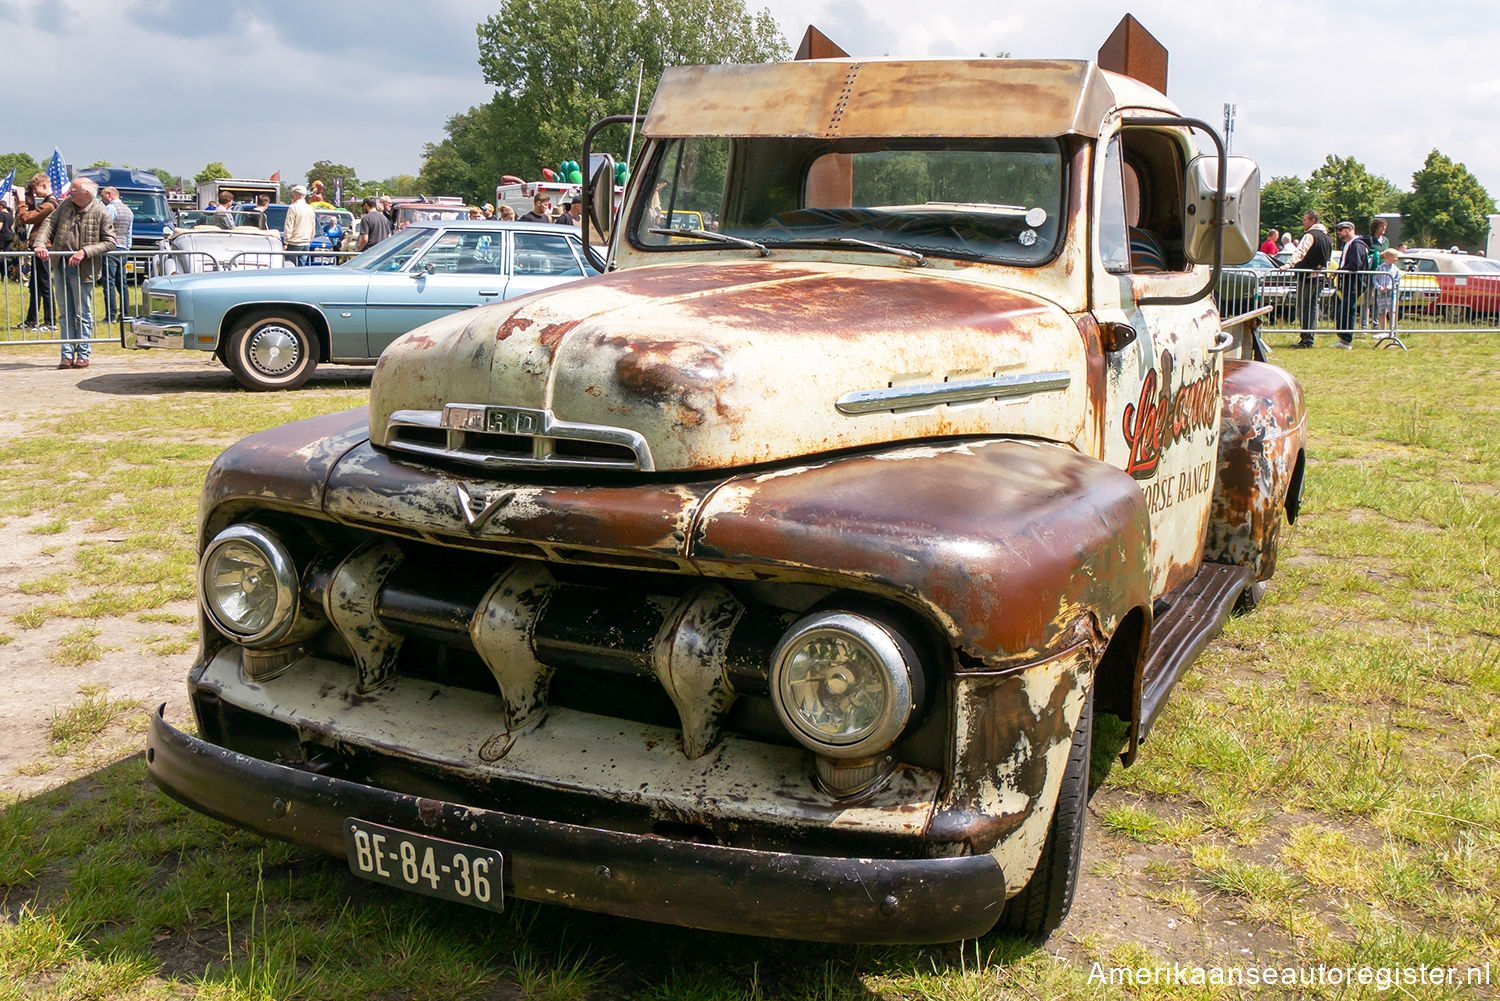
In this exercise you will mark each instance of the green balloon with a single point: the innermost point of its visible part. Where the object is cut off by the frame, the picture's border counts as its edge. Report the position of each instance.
(576, 177)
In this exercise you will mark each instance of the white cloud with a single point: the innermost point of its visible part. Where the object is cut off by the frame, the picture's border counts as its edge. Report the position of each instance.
(276, 84)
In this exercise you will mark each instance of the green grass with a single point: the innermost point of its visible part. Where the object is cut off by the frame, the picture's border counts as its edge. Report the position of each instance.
(1327, 778)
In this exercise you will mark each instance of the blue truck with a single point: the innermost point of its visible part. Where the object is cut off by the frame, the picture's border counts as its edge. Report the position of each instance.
(147, 198)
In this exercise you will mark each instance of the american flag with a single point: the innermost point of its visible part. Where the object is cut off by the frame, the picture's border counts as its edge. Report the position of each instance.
(57, 174)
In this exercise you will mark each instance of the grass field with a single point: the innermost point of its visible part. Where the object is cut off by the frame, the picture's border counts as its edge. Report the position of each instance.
(1323, 788)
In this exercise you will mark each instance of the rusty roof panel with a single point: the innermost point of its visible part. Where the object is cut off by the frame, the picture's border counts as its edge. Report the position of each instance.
(852, 98)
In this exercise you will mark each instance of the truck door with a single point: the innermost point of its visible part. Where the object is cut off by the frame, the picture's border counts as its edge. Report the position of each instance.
(1161, 408)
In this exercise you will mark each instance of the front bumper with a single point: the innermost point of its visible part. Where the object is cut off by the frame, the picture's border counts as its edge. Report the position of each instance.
(629, 875)
(147, 333)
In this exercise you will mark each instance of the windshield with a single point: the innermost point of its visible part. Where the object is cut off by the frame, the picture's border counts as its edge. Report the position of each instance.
(392, 254)
(147, 206)
(974, 199)
(1475, 266)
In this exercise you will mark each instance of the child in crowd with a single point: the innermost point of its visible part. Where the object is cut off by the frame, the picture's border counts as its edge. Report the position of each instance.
(1387, 283)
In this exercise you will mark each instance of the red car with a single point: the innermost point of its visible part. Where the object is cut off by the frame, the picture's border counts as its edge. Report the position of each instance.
(1467, 286)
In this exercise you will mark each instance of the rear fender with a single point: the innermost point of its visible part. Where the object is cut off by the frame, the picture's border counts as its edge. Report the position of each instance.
(1262, 445)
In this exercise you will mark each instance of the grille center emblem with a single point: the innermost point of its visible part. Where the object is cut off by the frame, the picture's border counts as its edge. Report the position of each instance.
(474, 520)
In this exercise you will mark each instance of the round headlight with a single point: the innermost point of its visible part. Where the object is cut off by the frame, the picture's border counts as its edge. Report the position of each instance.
(843, 684)
(249, 585)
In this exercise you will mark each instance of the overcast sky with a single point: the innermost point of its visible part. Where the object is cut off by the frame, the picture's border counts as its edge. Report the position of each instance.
(266, 85)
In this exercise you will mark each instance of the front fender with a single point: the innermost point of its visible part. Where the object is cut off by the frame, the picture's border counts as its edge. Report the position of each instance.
(1262, 443)
(1006, 544)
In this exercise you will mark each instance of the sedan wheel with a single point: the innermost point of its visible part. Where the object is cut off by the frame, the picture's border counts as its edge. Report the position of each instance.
(271, 351)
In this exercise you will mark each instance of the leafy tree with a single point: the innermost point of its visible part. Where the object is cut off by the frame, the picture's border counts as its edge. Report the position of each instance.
(1283, 202)
(1447, 205)
(327, 171)
(23, 164)
(396, 185)
(1344, 189)
(211, 172)
(555, 75)
(100, 163)
(168, 179)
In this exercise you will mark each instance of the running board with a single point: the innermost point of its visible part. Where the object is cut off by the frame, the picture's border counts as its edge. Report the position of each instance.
(1194, 615)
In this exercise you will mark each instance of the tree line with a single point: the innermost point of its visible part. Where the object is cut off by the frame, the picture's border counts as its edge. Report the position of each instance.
(1446, 206)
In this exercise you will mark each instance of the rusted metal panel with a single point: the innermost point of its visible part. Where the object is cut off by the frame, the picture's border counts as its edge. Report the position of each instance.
(636, 764)
(1012, 733)
(1005, 544)
(282, 468)
(802, 896)
(693, 358)
(651, 519)
(842, 98)
(1264, 435)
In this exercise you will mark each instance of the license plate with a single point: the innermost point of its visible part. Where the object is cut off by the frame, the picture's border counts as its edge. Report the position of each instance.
(438, 868)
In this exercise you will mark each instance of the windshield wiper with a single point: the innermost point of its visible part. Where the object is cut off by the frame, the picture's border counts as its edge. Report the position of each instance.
(919, 260)
(703, 234)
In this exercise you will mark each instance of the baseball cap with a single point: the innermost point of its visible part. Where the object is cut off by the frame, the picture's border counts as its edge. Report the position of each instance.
(299, 189)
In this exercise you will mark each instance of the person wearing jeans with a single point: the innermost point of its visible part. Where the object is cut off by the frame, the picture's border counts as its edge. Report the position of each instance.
(81, 232)
(114, 264)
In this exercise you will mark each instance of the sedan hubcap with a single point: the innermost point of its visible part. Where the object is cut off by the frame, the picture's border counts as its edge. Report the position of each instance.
(275, 350)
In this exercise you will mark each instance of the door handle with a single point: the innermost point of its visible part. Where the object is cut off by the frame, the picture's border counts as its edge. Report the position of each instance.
(489, 291)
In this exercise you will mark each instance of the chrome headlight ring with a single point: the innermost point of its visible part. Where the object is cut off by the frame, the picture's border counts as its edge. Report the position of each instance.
(248, 585)
(844, 685)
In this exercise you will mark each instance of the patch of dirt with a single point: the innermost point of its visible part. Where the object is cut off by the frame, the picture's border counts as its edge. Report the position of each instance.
(34, 686)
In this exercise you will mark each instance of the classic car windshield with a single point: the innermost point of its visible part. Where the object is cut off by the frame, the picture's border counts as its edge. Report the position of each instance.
(392, 254)
(970, 199)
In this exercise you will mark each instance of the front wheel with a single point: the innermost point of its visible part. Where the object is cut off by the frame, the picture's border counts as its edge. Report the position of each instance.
(271, 351)
(1041, 906)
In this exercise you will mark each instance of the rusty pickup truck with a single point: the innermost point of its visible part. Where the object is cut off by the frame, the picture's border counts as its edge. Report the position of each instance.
(771, 581)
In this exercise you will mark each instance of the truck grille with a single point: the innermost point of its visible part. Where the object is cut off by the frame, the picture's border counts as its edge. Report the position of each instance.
(508, 437)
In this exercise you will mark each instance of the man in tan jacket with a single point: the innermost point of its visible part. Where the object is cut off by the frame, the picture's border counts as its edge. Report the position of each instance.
(82, 230)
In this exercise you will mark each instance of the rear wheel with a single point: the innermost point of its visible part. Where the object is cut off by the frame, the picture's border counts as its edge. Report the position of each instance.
(1041, 906)
(271, 351)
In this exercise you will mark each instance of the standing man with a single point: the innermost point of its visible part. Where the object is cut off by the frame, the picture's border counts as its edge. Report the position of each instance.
(1310, 257)
(82, 230)
(572, 212)
(301, 223)
(114, 265)
(1270, 245)
(539, 206)
(373, 225)
(1355, 261)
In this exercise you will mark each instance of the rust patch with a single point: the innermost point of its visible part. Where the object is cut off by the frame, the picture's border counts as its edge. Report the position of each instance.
(429, 811)
(689, 375)
(552, 335)
(513, 323)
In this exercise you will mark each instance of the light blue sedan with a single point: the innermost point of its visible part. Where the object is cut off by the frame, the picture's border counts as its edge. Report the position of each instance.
(272, 327)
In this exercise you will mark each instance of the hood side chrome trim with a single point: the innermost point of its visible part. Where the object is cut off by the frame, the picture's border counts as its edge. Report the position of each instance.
(870, 401)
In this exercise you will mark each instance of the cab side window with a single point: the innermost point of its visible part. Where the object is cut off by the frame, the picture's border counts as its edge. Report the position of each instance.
(1114, 238)
(1152, 171)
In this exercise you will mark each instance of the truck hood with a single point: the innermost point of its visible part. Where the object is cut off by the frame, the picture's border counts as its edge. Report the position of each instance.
(720, 365)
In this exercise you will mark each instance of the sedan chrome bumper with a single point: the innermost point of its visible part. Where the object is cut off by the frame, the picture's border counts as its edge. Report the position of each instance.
(144, 333)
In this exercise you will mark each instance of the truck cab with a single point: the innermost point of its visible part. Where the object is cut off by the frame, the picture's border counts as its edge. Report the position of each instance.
(147, 198)
(771, 581)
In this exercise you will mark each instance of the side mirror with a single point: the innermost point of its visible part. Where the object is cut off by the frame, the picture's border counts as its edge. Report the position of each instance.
(1241, 222)
(602, 195)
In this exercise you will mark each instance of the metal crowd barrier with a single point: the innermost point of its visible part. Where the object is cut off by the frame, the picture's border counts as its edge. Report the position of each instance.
(1364, 302)
(35, 296)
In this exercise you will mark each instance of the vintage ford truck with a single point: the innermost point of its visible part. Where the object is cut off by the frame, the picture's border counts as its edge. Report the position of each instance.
(771, 581)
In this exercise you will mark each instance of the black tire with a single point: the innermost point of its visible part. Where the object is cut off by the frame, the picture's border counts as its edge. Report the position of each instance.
(1045, 900)
(271, 350)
